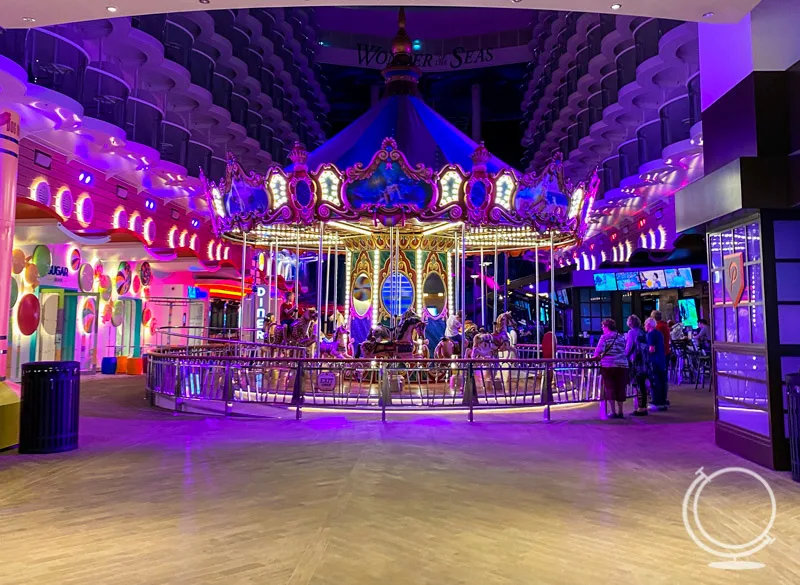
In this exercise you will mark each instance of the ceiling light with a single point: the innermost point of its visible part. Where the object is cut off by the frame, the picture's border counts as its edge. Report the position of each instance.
(516, 1)
(616, 6)
(111, 9)
(205, 1)
(708, 15)
(28, 19)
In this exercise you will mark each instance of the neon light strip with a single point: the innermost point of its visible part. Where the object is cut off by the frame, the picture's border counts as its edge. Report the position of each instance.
(419, 282)
(376, 258)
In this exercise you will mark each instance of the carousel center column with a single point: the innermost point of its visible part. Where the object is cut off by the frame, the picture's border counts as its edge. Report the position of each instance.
(9, 158)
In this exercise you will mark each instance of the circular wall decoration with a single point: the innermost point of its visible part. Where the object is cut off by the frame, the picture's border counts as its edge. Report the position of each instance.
(42, 260)
(108, 311)
(65, 204)
(14, 292)
(147, 314)
(89, 315)
(145, 273)
(42, 194)
(32, 275)
(104, 282)
(18, 261)
(28, 313)
(86, 278)
(136, 284)
(149, 230)
(136, 223)
(85, 209)
(117, 314)
(153, 327)
(75, 259)
(124, 275)
(261, 262)
(120, 218)
(99, 270)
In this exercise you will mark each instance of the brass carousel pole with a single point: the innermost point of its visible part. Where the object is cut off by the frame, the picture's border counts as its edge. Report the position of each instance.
(327, 284)
(482, 289)
(463, 288)
(552, 292)
(241, 299)
(336, 284)
(537, 319)
(297, 270)
(494, 274)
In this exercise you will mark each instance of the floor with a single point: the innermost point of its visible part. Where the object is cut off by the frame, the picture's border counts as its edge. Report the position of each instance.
(152, 498)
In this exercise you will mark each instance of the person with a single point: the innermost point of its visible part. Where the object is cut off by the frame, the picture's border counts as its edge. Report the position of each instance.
(288, 310)
(453, 327)
(636, 350)
(610, 351)
(703, 337)
(663, 328)
(657, 364)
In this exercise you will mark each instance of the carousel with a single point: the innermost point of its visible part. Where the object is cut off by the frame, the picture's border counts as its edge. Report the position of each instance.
(406, 198)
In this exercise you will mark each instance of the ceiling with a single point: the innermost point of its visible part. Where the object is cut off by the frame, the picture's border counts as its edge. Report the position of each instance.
(17, 13)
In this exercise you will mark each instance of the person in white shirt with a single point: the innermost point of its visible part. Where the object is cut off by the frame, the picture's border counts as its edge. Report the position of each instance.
(453, 327)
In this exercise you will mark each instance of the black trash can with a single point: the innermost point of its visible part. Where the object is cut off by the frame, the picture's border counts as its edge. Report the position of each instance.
(793, 398)
(50, 404)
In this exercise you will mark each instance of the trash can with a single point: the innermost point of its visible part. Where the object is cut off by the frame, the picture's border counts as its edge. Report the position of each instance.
(793, 398)
(50, 402)
(108, 365)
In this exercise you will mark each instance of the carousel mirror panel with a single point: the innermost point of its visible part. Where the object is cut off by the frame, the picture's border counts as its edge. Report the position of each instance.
(397, 294)
(362, 295)
(433, 295)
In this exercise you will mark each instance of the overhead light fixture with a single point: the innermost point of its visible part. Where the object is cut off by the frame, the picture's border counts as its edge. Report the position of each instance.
(516, 1)
(111, 9)
(708, 15)
(28, 19)
(42, 160)
(616, 6)
(205, 1)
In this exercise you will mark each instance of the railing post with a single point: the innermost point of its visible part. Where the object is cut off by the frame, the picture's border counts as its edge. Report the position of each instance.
(468, 379)
(227, 390)
(297, 391)
(177, 386)
(547, 393)
(385, 392)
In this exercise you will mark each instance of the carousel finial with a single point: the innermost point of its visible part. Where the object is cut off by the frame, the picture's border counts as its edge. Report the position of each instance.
(481, 155)
(298, 155)
(401, 45)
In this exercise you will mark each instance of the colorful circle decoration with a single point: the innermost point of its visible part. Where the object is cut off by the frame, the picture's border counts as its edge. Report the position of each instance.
(124, 275)
(105, 287)
(136, 284)
(75, 259)
(17, 261)
(147, 314)
(107, 313)
(32, 275)
(88, 315)
(14, 291)
(86, 278)
(28, 313)
(145, 273)
(42, 260)
(117, 314)
(49, 314)
(153, 327)
(262, 262)
(98, 269)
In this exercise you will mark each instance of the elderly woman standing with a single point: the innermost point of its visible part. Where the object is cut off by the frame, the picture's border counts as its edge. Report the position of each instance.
(613, 366)
(637, 351)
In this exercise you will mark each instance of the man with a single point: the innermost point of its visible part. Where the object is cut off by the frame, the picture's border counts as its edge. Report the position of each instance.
(288, 310)
(663, 328)
(658, 364)
(453, 327)
(703, 336)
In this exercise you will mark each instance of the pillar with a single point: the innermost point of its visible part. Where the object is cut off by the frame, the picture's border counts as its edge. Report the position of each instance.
(476, 112)
(750, 101)
(9, 158)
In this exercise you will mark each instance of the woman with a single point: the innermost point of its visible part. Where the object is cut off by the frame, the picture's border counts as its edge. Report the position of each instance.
(636, 351)
(613, 366)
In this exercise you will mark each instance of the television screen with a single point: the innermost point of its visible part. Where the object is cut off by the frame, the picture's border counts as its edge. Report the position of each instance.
(605, 281)
(679, 277)
(561, 297)
(687, 312)
(628, 281)
(653, 279)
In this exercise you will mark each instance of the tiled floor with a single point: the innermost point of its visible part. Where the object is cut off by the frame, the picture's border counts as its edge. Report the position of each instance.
(154, 498)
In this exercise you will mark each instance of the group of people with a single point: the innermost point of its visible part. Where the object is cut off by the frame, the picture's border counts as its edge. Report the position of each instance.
(637, 357)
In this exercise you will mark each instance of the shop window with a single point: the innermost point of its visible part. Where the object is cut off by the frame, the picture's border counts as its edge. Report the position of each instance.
(594, 307)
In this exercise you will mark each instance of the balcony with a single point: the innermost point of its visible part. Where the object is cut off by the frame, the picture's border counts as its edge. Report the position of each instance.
(253, 126)
(676, 121)
(216, 168)
(267, 81)
(254, 61)
(595, 108)
(152, 24)
(174, 145)
(583, 123)
(266, 138)
(201, 69)
(611, 174)
(199, 158)
(649, 140)
(695, 108)
(178, 44)
(582, 62)
(626, 67)
(105, 96)
(629, 158)
(239, 107)
(55, 62)
(609, 89)
(12, 45)
(143, 122)
(648, 35)
(222, 91)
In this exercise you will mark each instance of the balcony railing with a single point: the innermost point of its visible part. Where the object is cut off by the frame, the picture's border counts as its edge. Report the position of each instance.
(676, 121)
(174, 143)
(650, 143)
(55, 62)
(105, 96)
(143, 122)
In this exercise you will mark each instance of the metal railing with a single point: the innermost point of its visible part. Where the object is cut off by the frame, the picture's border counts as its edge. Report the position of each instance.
(268, 376)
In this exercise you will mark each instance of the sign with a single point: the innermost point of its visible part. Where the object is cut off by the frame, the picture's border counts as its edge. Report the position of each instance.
(9, 122)
(261, 311)
(734, 277)
(373, 54)
(326, 381)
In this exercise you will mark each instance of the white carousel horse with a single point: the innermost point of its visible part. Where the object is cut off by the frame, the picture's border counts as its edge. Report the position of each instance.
(445, 349)
(336, 347)
(300, 333)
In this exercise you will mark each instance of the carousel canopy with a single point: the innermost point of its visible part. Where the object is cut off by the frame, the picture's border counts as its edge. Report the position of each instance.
(400, 166)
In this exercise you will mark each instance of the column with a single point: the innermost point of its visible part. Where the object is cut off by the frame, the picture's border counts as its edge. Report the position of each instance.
(9, 157)
(476, 112)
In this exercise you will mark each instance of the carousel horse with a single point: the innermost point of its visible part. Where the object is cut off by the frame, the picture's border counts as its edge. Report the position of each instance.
(300, 332)
(380, 342)
(504, 344)
(338, 346)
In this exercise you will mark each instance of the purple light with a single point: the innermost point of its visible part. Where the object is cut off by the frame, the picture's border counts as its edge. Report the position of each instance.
(85, 178)
(150, 204)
